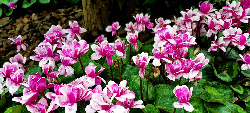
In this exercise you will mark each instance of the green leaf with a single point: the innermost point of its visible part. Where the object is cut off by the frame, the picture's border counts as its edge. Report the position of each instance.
(220, 93)
(190, 53)
(134, 85)
(128, 70)
(44, 1)
(233, 54)
(222, 76)
(207, 72)
(247, 107)
(3, 102)
(148, 49)
(216, 108)
(246, 73)
(240, 109)
(198, 105)
(8, 11)
(67, 79)
(9, 110)
(151, 109)
(201, 93)
(1, 12)
(164, 97)
(17, 109)
(231, 107)
(20, 90)
(33, 70)
(239, 89)
(246, 92)
(27, 4)
(233, 68)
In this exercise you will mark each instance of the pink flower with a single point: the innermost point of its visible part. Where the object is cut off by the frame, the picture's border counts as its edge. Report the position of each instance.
(245, 4)
(142, 22)
(132, 38)
(53, 39)
(75, 49)
(185, 40)
(19, 59)
(75, 29)
(48, 70)
(8, 69)
(99, 39)
(90, 71)
(130, 103)
(160, 23)
(196, 78)
(219, 44)
(53, 96)
(115, 26)
(45, 53)
(65, 68)
(130, 27)
(175, 70)
(184, 95)
(71, 95)
(141, 61)
(120, 48)
(103, 49)
(120, 92)
(15, 80)
(12, 5)
(246, 59)
(205, 7)
(103, 104)
(19, 43)
(39, 107)
(29, 97)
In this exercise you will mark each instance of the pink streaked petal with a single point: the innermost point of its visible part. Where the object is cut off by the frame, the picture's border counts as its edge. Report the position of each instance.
(71, 109)
(188, 107)
(95, 56)
(141, 72)
(109, 29)
(135, 45)
(178, 104)
(109, 60)
(13, 88)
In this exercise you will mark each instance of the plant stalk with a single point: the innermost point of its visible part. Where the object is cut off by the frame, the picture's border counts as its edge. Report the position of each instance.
(58, 81)
(141, 89)
(242, 99)
(119, 69)
(111, 73)
(225, 59)
(147, 84)
(81, 65)
(241, 81)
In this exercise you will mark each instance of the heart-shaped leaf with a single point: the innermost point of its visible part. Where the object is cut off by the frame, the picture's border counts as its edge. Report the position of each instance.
(239, 89)
(28, 3)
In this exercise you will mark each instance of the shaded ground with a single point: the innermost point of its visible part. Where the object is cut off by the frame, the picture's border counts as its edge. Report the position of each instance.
(32, 27)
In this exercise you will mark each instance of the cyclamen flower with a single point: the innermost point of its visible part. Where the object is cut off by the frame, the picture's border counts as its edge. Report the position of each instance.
(48, 70)
(175, 70)
(130, 27)
(19, 59)
(219, 44)
(65, 68)
(39, 107)
(103, 49)
(120, 48)
(141, 61)
(245, 4)
(132, 38)
(99, 39)
(103, 104)
(53, 39)
(130, 103)
(120, 92)
(246, 59)
(141, 22)
(8, 69)
(75, 29)
(15, 80)
(205, 7)
(75, 49)
(19, 43)
(44, 53)
(184, 95)
(12, 5)
(115, 26)
(90, 71)
(160, 23)
(71, 95)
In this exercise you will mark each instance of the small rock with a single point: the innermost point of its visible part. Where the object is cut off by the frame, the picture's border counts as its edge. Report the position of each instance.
(25, 20)
(34, 16)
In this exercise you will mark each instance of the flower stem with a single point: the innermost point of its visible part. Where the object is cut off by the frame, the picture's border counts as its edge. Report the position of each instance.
(111, 72)
(180, 81)
(130, 54)
(188, 82)
(174, 110)
(241, 81)
(82, 104)
(225, 59)
(81, 65)
(147, 85)
(119, 69)
(58, 81)
(141, 89)
(242, 99)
